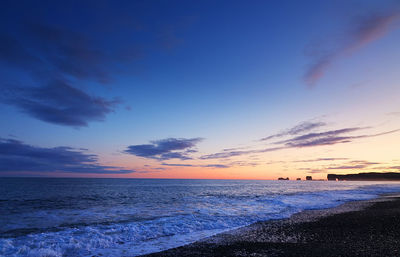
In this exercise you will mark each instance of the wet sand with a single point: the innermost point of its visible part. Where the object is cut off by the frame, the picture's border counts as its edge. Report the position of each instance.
(360, 228)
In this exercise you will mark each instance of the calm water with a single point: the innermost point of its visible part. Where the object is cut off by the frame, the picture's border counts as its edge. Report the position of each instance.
(126, 217)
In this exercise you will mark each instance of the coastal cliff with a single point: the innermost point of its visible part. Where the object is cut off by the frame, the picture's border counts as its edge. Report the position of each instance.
(370, 176)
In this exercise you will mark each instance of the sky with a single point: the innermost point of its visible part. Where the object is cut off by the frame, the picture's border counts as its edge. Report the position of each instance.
(199, 89)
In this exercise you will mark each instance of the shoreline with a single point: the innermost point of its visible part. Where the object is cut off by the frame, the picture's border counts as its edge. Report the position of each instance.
(299, 236)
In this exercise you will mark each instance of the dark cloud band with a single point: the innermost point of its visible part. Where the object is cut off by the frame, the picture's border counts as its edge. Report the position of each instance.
(16, 156)
(58, 103)
(165, 149)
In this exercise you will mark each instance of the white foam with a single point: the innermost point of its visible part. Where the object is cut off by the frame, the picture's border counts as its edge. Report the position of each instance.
(178, 225)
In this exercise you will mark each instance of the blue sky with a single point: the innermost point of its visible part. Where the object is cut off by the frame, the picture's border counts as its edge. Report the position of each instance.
(108, 75)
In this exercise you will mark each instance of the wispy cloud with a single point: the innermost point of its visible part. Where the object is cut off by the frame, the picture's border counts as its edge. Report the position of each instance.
(165, 149)
(330, 137)
(16, 156)
(58, 103)
(322, 159)
(229, 154)
(244, 163)
(360, 32)
(196, 165)
(298, 129)
(387, 168)
(313, 171)
(350, 165)
(323, 138)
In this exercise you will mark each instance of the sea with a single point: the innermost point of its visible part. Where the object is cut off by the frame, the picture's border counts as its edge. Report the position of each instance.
(130, 217)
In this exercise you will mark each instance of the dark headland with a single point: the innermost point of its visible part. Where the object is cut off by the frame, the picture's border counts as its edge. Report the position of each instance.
(370, 176)
(361, 228)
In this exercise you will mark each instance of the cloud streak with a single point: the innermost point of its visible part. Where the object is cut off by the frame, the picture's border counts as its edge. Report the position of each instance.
(298, 129)
(322, 159)
(361, 32)
(323, 138)
(330, 137)
(351, 165)
(222, 166)
(165, 149)
(58, 103)
(16, 156)
(229, 154)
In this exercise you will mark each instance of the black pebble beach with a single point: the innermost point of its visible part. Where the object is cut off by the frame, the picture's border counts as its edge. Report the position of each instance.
(365, 228)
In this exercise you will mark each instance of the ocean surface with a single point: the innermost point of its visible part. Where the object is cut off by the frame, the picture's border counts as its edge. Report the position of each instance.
(128, 217)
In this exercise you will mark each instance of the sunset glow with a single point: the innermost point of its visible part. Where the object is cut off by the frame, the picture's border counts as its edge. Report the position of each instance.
(200, 90)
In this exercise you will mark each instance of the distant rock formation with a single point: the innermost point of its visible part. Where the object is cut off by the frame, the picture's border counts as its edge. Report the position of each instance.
(283, 178)
(308, 178)
(370, 176)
